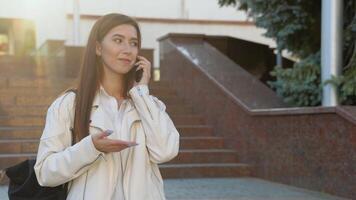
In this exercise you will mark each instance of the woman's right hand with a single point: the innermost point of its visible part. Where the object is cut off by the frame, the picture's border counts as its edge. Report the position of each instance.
(103, 144)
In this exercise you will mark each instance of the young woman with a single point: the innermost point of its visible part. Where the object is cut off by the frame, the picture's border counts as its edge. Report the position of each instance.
(121, 132)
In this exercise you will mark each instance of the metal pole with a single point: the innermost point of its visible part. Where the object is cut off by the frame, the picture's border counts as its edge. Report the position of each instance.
(183, 11)
(331, 47)
(279, 58)
(76, 23)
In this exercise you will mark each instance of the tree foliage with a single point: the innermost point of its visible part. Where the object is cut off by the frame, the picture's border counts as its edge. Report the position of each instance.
(296, 25)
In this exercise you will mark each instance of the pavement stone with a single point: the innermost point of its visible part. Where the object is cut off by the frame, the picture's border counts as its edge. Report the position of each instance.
(230, 189)
(237, 189)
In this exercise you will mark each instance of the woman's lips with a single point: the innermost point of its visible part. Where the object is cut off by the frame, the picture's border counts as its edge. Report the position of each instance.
(125, 61)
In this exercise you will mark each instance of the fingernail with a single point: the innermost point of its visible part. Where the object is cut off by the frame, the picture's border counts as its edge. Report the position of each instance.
(109, 132)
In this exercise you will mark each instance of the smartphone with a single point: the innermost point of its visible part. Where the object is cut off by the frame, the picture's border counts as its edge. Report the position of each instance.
(139, 73)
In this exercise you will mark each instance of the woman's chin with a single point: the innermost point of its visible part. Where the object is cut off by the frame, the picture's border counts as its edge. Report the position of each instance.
(122, 70)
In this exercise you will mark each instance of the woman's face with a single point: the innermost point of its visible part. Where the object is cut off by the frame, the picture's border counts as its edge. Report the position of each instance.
(119, 49)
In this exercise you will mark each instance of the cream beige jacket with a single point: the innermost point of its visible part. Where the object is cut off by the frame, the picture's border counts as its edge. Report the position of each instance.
(91, 173)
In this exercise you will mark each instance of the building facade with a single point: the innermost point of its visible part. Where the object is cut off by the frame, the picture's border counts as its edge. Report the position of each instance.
(25, 26)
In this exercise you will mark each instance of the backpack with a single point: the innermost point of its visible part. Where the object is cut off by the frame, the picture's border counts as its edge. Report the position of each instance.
(23, 183)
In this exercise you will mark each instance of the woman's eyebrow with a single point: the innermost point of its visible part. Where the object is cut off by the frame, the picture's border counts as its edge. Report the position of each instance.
(119, 35)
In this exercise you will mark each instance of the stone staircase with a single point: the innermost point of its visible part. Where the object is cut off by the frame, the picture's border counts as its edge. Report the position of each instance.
(23, 105)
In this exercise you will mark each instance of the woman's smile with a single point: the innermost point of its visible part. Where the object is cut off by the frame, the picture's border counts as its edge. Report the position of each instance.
(123, 60)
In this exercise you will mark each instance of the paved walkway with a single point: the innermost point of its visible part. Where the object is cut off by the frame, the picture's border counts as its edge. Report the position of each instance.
(230, 189)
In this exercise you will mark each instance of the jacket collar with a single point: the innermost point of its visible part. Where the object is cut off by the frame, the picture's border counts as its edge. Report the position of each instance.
(100, 119)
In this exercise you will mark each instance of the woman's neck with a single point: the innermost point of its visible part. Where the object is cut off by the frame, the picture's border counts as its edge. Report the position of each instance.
(114, 85)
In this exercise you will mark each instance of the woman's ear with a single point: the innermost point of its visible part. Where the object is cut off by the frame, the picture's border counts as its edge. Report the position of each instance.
(98, 49)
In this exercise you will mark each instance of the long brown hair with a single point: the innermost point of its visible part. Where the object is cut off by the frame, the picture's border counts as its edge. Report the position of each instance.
(91, 71)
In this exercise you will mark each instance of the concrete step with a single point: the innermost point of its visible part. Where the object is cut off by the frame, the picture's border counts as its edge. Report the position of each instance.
(22, 121)
(28, 142)
(196, 170)
(24, 132)
(18, 63)
(8, 70)
(40, 120)
(188, 119)
(10, 153)
(7, 160)
(31, 92)
(23, 72)
(35, 132)
(205, 170)
(18, 146)
(30, 145)
(25, 91)
(35, 82)
(178, 109)
(209, 142)
(14, 61)
(18, 111)
(195, 130)
(47, 100)
(186, 156)
(40, 111)
(3, 82)
(26, 100)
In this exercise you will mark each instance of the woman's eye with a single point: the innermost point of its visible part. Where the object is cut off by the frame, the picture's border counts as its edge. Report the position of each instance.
(135, 44)
(117, 40)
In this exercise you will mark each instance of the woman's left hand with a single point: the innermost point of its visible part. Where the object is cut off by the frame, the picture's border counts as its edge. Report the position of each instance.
(144, 64)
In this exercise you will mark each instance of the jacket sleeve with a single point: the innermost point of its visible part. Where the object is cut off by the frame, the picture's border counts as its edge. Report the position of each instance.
(162, 137)
(57, 161)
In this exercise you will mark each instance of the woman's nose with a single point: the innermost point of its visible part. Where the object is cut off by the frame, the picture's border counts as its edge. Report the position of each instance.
(127, 48)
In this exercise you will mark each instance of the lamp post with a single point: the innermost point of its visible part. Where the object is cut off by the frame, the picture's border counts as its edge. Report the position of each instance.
(76, 25)
(331, 47)
(183, 10)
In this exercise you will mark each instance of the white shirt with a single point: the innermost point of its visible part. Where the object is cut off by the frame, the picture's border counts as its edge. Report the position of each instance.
(94, 175)
(115, 110)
